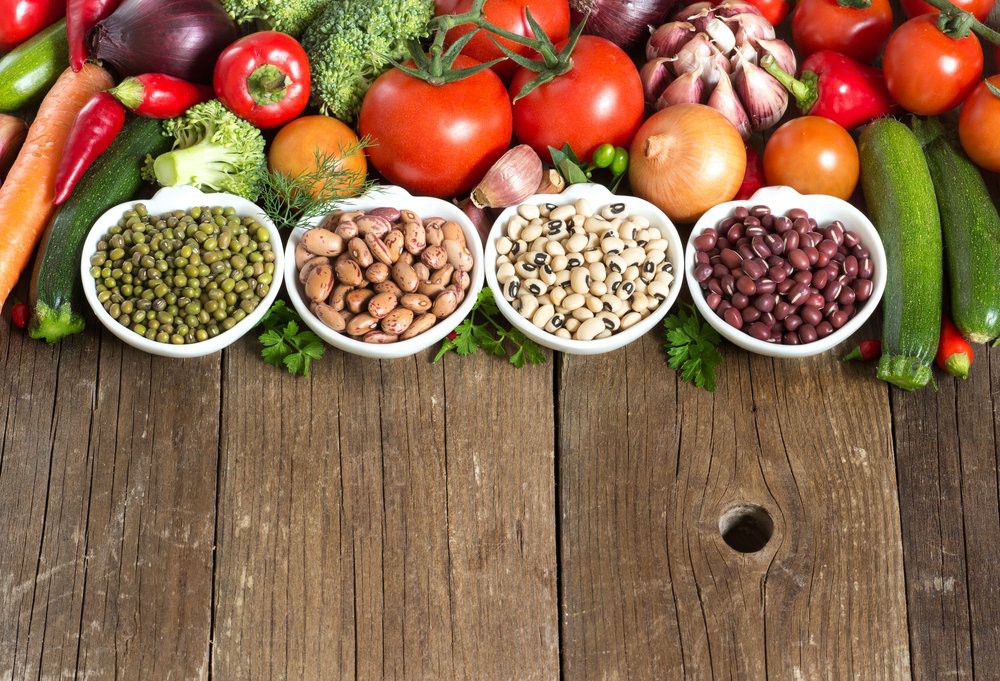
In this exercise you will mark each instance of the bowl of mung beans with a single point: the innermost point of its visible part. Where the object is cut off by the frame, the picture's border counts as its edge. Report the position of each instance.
(785, 274)
(585, 271)
(184, 273)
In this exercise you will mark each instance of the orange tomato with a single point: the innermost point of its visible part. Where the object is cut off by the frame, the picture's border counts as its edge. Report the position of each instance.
(295, 148)
(813, 155)
(978, 125)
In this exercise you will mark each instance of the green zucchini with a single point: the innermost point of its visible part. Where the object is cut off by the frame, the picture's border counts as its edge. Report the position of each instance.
(30, 69)
(57, 301)
(971, 229)
(900, 196)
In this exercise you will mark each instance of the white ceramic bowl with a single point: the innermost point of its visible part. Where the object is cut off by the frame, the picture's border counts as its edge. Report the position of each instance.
(598, 196)
(824, 209)
(425, 207)
(166, 200)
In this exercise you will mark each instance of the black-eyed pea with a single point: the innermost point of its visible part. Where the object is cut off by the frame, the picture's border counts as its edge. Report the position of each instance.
(329, 316)
(322, 242)
(361, 324)
(379, 304)
(592, 255)
(563, 212)
(555, 229)
(653, 304)
(535, 287)
(663, 278)
(538, 244)
(388, 286)
(415, 302)
(639, 302)
(631, 273)
(414, 237)
(556, 321)
(658, 289)
(462, 280)
(520, 246)
(655, 256)
(590, 329)
(625, 290)
(453, 232)
(612, 245)
(574, 260)
(559, 263)
(547, 275)
(531, 231)
(615, 304)
(563, 278)
(582, 314)
(542, 315)
(505, 272)
(525, 270)
(433, 234)
(630, 320)
(613, 280)
(357, 299)
(576, 243)
(319, 283)
(501, 259)
(405, 277)
(627, 230)
(612, 211)
(573, 301)
(595, 223)
(419, 325)
(580, 280)
(583, 207)
(557, 295)
(598, 288)
(545, 300)
(640, 221)
(612, 322)
(602, 335)
(431, 290)
(572, 324)
(359, 252)
(647, 271)
(537, 258)
(309, 265)
(525, 305)
(397, 321)
(563, 333)
(338, 296)
(445, 303)
(634, 255)
(529, 211)
(422, 270)
(511, 288)
(657, 245)
(504, 245)
(575, 224)
(598, 271)
(595, 304)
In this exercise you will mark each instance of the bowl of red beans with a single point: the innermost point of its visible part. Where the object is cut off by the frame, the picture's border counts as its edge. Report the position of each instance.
(785, 274)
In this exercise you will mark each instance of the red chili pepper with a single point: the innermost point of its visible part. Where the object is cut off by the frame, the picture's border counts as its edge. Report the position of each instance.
(753, 177)
(263, 78)
(20, 314)
(865, 351)
(157, 95)
(954, 354)
(81, 16)
(837, 87)
(96, 127)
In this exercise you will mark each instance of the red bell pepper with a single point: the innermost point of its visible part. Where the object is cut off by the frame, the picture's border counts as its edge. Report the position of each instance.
(264, 78)
(954, 354)
(21, 19)
(837, 87)
(753, 177)
(157, 95)
(81, 16)
(96, 126)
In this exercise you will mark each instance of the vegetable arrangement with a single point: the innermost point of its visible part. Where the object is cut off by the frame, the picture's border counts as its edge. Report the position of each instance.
(489, 102)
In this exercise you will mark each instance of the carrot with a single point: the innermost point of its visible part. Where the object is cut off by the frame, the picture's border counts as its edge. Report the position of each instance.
(27, 193)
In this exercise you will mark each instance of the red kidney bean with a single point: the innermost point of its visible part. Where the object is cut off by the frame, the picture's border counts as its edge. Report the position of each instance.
(727, 223)
(760, 247)
(782, 224)
(775, 244)
(785, 286)
(767, 318)
(860, 251)
(723, 306)
(863, 290)
(735, 233)
(815, 300)
(731, 258)
(759, 331)
(813, 254)
(829, 309)
(798, 294)
(714, 286)
(767, 221)
(822, 260)
(755, 231)
(733, 317)
(723, 242)
(781, 310)
(866, 269)
(832, 291)
(847, 296)
(750, 314)
(798, 258)
(819, 278)
(824, 329)
(827, 247)
(740, 212)
(755, 269)
(702, 273)
(838, 319)
(811, 315)
(851, 239)
(765, 303)
(803, 277)
(791, 241)
(713, 300)
(792, 322)
(740, 300)
(801, 225)
(728, 284)
(796, 213)
(760, 210)
(807, 333)
(745, 251)
(702, 258)
(745, 284)
(777, 274)
(719, 270)
(706, 241)
(849, 309)
(765, 286)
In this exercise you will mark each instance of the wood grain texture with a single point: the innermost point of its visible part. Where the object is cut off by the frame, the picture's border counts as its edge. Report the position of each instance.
(651, 590)
(109, 494)
(377, 531)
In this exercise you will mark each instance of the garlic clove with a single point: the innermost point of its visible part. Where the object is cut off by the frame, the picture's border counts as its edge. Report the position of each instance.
(668, 38)
(695, 54)
(781, 52)
(743, 51)
(552, 182)
(693, 11)
(763, 97)
(686, 89)
(655, 77)
(752, 27)
(717, 64)
(732, 8)
(513, 178)
(724, 100)
(722, 36)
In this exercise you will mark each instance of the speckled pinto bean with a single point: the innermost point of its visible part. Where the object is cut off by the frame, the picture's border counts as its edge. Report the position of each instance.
(782, 278)
(384, 275)
(575, 257)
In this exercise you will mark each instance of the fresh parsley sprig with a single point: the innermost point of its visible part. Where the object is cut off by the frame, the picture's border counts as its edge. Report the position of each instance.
(692, 347)
(284, 345)
(483, 330)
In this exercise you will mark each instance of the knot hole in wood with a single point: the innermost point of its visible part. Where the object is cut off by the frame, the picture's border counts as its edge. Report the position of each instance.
(746, 527)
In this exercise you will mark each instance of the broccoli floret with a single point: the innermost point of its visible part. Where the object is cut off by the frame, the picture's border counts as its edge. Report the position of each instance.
(351, 43)
(287, 16)
(213, 149)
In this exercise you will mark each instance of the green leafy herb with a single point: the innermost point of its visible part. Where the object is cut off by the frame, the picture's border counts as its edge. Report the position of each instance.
(575, 171)
(285, 345)
(692, 347)
(288, 200)
(481, 330)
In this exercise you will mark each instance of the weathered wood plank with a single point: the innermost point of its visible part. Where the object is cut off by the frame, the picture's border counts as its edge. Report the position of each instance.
(649, 467)
(947, 453)
(371, 528)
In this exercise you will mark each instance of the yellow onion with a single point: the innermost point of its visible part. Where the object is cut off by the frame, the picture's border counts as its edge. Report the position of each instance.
(686, 159)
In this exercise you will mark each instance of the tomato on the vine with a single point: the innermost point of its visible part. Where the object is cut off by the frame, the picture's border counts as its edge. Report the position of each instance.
(978, 125)
(845, 26)
(928, 72)
(599, 99)
(813, 155)
(437, 140)
(978, 8)
(551, 15)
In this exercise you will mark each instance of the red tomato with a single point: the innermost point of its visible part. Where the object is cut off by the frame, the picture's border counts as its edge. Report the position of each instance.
(774, 11)
(828, 25)
(598, 100)
(21, 19)
(978, 125)
(551, 15)
(928, 72)
(813, 155)
(437, 140)
(979, 8)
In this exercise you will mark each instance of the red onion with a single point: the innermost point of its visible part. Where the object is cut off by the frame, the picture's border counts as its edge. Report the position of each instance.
(181, 38)
(623, 22)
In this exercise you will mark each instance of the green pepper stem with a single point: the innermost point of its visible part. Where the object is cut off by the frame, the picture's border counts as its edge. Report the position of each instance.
(805, 91)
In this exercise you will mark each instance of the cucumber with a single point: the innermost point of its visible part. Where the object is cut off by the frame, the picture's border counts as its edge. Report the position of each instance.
(971, 228)
(57, 301)
(30, 69)
(901, 202)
